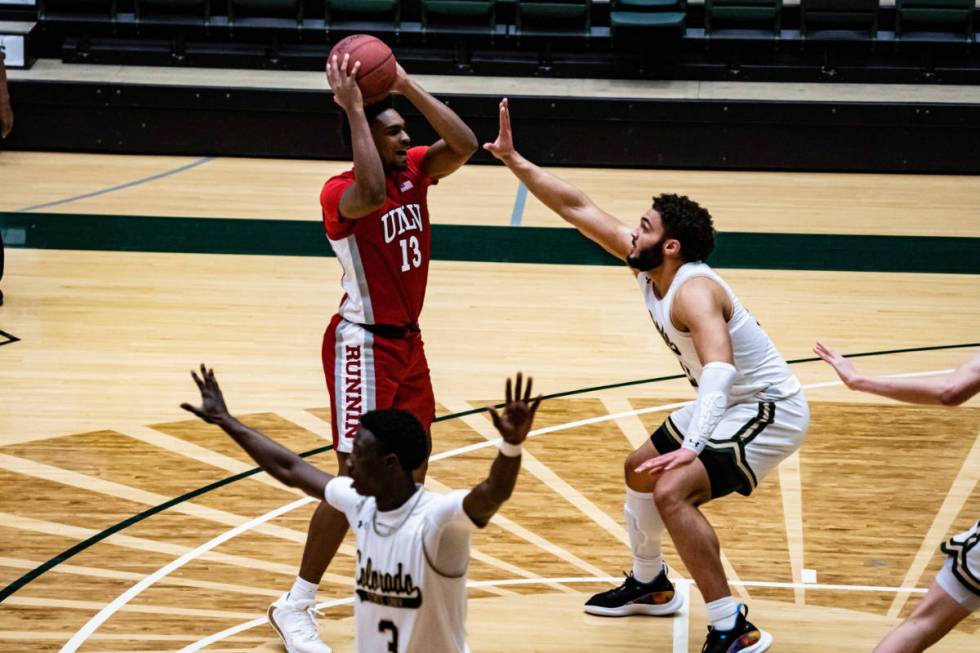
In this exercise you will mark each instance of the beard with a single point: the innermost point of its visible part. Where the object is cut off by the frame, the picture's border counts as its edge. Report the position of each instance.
(648, 259)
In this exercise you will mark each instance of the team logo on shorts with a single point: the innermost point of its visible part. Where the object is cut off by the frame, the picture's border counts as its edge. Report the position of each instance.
(353, 396)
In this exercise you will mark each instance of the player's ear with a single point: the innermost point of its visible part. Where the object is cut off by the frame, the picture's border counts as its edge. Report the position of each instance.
(672, 246)
(391, 461)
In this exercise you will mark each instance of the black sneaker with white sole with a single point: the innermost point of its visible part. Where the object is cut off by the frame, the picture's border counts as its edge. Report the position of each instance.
(742, 638)
(656, 598)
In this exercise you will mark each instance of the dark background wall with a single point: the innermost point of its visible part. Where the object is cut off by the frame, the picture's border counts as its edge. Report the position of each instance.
(148, 119)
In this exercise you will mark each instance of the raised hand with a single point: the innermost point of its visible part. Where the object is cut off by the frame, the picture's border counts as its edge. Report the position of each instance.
(213, 409)
(845, 369)
(518, 412)
(504, 145)
(346, 92)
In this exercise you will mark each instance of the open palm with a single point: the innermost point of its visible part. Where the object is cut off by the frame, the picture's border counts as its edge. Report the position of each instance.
(515, 421)
(504, 145)
(212, 409)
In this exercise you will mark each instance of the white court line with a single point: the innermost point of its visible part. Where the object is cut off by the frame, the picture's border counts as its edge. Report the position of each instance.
(680, 619)
(79, 638)
(248, 625)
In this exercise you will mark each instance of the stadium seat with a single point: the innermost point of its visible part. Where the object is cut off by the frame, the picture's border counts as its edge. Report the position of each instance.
(743, 13)
(189, 10)
(839, 19)
(647, 14)
(97, 9)
(947, 16)
(456, 12)
(553, 15)
(364, 10)
(277, 12)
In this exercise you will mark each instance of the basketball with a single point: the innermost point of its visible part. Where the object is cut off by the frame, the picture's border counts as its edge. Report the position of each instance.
(377, 73)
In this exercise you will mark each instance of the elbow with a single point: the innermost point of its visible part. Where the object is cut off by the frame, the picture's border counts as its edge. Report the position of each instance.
(953, 395)
(465, 149)
(472, 145)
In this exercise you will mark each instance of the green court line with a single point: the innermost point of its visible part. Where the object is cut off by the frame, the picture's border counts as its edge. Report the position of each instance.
(543, 245)
(126, 523)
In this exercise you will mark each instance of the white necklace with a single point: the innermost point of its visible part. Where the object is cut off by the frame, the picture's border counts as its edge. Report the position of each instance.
(390, 530)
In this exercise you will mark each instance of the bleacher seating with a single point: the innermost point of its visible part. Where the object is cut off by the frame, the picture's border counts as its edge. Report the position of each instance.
(766, 14)
(77, 9)
(606, 36)
(839, 19)
(273, 13)
(388, 12)
(550, 16)
(646, 15)
(465, 14)
(172, 10)
(952, 17)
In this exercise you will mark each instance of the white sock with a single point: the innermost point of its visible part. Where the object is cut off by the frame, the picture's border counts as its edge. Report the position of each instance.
(303, 590)
(723, 613)
(646, 530)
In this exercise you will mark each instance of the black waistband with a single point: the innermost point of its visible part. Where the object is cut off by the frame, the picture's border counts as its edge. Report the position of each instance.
(392, 330)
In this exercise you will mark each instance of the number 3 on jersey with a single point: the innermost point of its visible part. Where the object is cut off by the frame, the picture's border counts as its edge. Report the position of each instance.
(386, 625)
(416, 258)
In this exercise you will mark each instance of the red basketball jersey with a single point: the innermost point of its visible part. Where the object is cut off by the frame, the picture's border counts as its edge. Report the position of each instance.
(384, 256)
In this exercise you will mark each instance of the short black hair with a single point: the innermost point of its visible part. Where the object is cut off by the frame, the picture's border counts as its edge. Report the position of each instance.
(400, 433)
(371, 112)
(688, 222)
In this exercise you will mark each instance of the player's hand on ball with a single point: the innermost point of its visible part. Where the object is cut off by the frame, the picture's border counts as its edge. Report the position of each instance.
(667, 462)
(401, 79)
(845, 368)
(213, 408)
(343, 82)
(503, 147)
(515, 421)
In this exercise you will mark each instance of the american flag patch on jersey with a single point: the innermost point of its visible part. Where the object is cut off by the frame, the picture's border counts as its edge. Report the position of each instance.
(406, 185)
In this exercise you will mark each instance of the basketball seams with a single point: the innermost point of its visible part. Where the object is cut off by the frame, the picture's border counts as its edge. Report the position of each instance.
(378, 68)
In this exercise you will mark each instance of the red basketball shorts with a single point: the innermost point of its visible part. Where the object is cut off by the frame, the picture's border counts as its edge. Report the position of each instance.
(366, 372)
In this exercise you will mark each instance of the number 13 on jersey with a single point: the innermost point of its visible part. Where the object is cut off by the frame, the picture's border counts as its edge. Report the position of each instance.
(411, 254)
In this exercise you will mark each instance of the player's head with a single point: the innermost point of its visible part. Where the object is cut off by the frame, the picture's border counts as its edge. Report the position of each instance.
(387, 131)
(675, 228)
(389, 443)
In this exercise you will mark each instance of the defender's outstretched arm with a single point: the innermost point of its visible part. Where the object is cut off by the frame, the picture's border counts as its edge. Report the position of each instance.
(574, 206)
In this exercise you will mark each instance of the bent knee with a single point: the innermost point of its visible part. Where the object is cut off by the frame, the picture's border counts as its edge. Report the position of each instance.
(673, 493)
(638, 481)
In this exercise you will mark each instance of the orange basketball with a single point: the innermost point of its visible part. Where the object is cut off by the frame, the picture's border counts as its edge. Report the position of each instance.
(377, 73)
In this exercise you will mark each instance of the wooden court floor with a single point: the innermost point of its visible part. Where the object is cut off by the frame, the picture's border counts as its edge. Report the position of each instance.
(829, 552)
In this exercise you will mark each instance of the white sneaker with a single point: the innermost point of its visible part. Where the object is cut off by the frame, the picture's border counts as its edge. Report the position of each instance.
(295, 623)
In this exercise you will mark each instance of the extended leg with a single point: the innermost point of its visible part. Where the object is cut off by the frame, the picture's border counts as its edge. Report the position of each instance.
(929, 622)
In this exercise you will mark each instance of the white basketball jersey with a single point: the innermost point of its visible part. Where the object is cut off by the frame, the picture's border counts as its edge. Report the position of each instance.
(759, 368)
(402, 604)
